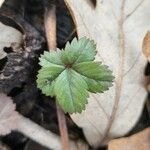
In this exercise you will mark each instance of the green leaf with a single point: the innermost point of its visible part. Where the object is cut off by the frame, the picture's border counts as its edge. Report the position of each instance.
(45, 63)
(51, 67)
(88, 50)
(50, 72)
(77, 51)
(97, 76)
(53, 57)
(69, 74)
(97, 86)
(94, 70)
(71, 91)
(46, 77)
(47, 86)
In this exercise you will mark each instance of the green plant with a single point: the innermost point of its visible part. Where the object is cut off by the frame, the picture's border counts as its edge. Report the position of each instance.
(69, 74)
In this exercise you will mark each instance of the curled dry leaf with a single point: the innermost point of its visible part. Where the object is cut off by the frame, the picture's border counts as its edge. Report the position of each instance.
(118, 27)
(9, 118)
(139, 141)
(9, 37)
(146, 46)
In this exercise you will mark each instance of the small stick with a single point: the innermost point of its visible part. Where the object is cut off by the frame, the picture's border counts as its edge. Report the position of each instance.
(45, 137)
(39, 134)
(50, 29)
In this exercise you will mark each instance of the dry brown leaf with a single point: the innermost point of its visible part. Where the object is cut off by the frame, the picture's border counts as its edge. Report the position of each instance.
(118, 27)
(139, 141)
(146, 46)
(9, 37)
(9, 118)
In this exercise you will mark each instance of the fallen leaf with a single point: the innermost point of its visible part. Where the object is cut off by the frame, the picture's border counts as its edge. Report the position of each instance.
(9, 37)
(118, 27)
(9, 118)
(1, 2)
(146, 46)
(4, 147)
(139, 141)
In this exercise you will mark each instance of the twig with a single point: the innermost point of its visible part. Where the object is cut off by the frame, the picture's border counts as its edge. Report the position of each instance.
(50, 29)
(45, 137)
(39, 134)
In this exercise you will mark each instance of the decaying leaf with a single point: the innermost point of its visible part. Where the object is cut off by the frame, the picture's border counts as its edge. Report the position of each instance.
(22, 61)
(118, 27)
(9, 37)
(146, 46)
(139, 141)
(9, 118)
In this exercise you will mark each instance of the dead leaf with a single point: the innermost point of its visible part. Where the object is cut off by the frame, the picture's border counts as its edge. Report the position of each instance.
(146, 46)
(4, 147)
(1, 2)
(139, 141)
(9, 118)
(9, 37)
(118, 27)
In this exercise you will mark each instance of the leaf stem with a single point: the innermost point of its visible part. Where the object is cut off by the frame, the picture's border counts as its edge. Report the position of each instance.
(50, 29)
(63, 128)
(50, 26)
